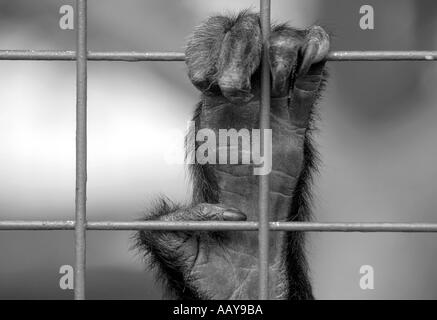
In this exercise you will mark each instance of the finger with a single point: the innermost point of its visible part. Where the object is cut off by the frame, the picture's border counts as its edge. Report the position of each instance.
(315, 49)
(239, 58)
(283, 54)
(283, 61)
(309, 50)
(202, 52)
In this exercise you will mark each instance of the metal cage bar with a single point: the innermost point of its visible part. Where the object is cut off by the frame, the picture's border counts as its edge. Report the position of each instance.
(132, 56)
(264, 180)
(81, 150)
(40, 225)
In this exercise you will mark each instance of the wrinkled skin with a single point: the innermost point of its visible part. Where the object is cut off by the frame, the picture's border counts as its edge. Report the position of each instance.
(223, 59)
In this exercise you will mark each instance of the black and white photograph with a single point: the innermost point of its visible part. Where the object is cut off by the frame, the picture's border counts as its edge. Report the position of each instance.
(231, 150)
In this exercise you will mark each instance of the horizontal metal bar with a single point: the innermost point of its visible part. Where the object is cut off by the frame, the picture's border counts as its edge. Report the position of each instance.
(127, 56)
(383, 56)
(131, 56)
(37, 225)
(221, 225)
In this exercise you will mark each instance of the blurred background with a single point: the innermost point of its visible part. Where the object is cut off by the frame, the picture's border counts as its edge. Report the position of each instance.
(377, 142)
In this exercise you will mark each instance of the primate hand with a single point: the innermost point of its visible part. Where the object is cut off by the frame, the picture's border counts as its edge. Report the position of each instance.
(223, 59)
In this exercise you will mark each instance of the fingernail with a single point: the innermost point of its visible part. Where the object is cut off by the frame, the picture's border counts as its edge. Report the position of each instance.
(234, 216)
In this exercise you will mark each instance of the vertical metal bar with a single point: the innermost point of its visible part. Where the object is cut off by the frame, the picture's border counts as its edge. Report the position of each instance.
(264, 183)
(81, 149)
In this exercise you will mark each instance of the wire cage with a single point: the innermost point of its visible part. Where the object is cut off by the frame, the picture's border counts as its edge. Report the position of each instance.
(263, 226)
